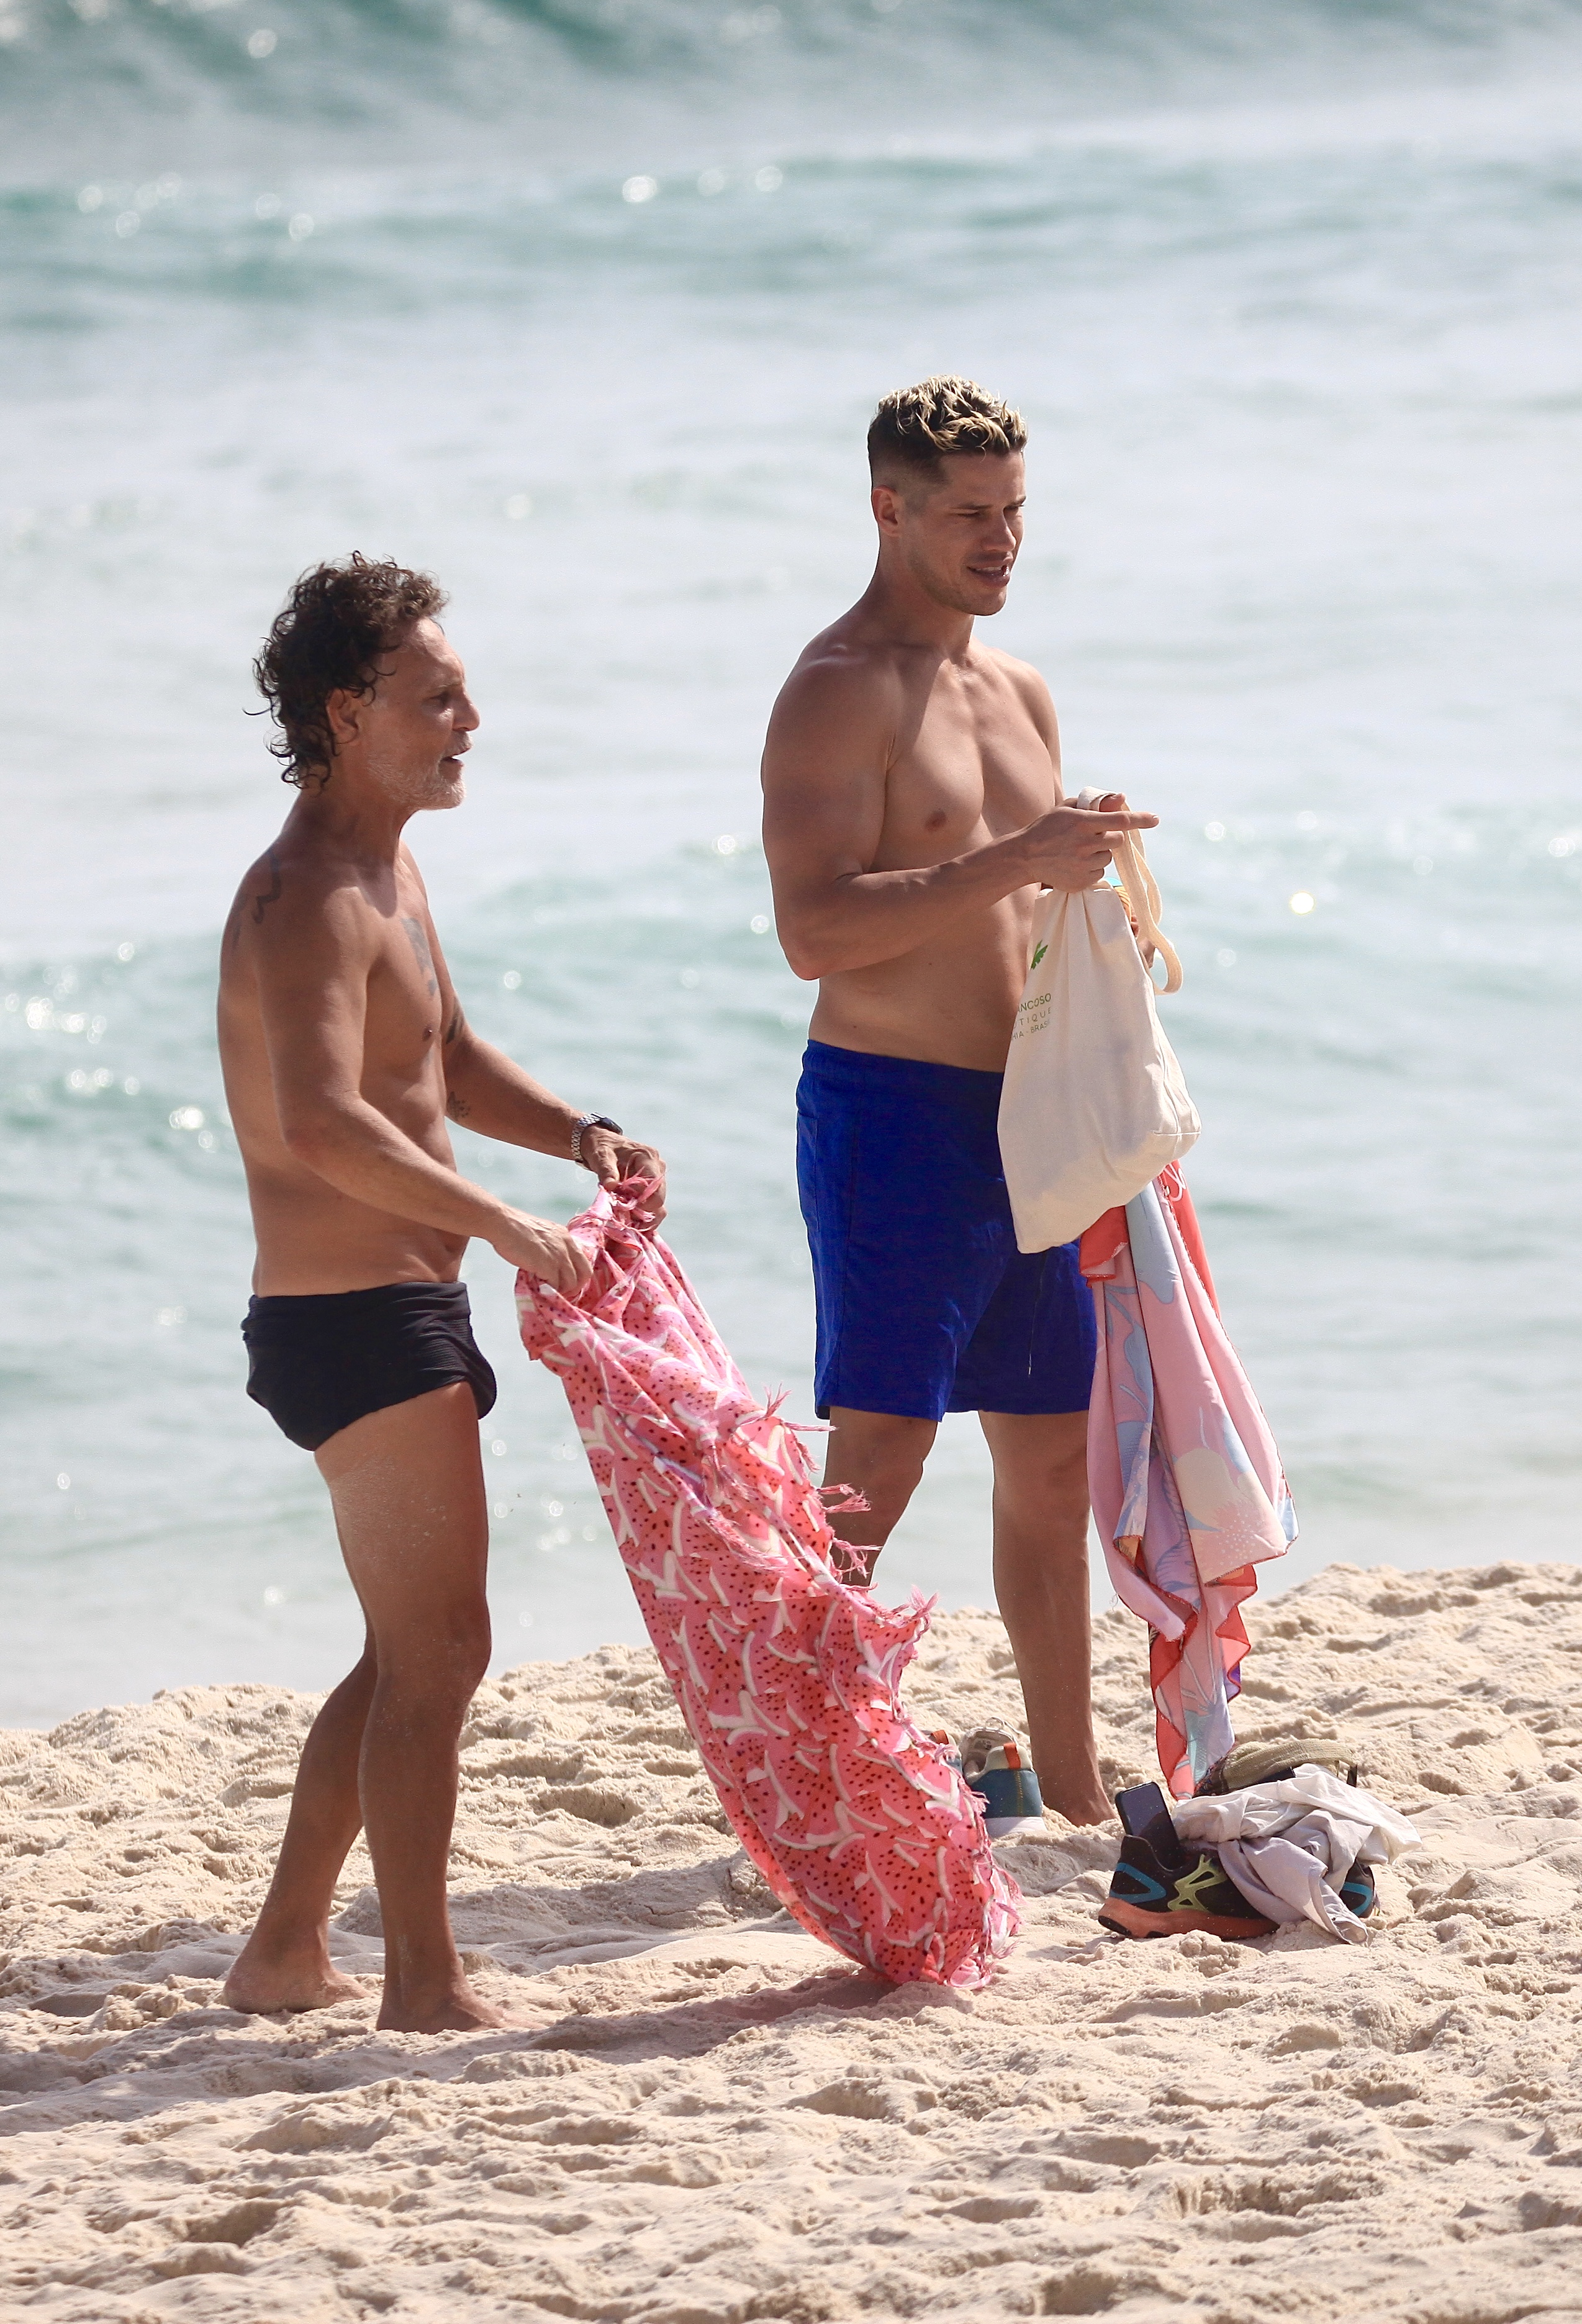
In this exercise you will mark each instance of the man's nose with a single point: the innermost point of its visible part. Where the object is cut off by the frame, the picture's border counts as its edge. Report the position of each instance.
(466, 716)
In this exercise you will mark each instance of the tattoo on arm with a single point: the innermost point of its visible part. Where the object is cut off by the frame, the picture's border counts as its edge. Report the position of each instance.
(458, 1025)
(420, 944)
(457, 1107)
(261, 902)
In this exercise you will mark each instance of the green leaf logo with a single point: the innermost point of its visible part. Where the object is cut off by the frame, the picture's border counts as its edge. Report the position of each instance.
(1037, 956)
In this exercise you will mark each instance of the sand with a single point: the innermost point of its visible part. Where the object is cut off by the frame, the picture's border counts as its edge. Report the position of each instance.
(724, 2121)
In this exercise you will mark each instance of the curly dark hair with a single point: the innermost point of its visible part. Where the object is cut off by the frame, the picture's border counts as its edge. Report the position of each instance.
(916, 427)
(328, 638)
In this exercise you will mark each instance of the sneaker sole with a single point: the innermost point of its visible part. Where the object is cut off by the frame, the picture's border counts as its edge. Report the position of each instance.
(1003, 1827)
(1133, 1920)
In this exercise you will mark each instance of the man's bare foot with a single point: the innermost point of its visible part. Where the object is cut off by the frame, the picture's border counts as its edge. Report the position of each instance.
(262, 1980)
(456, 2010)
(1080, 1806)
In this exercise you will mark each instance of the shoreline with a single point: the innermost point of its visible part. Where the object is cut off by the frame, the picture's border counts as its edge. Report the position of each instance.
(725, 2119)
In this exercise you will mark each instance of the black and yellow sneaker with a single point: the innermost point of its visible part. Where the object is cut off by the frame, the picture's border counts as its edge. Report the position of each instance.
(1161, 1888)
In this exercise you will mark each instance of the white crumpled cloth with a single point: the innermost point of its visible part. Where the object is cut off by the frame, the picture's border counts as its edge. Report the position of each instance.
(1288, 1846)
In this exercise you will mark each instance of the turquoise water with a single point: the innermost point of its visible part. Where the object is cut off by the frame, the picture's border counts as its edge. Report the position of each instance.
(1289, 297)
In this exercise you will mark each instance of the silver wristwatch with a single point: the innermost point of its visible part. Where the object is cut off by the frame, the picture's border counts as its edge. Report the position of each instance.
(589, 1121)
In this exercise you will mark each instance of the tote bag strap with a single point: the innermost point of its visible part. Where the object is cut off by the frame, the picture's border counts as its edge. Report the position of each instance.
(1142, 893)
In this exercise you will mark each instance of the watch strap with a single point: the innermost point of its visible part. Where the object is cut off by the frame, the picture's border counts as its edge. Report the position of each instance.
(586, 1122)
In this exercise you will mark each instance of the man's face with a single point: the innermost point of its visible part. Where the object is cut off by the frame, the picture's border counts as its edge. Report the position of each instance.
(957, 534)
(414, 733)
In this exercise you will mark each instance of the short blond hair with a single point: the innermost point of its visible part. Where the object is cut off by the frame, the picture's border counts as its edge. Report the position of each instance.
(916, 427)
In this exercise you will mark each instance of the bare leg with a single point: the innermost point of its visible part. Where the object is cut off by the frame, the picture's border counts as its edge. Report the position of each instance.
(1040, 1582)
(285, 1964)
(408, 1489)
(881, 1454)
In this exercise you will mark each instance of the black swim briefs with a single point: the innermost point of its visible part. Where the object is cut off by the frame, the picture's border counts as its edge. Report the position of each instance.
(319, 1360)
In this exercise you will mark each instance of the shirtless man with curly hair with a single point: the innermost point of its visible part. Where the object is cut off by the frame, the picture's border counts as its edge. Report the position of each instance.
(345, 1048)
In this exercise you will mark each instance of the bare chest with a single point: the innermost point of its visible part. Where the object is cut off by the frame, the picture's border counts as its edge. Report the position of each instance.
(405, 1010)
(972, 768)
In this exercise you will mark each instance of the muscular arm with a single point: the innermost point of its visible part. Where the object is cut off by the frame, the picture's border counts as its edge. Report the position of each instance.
(826, 765)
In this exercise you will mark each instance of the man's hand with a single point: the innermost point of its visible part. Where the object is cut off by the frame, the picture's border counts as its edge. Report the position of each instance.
(614, 1158)
(544, 1249)
(1071, 847)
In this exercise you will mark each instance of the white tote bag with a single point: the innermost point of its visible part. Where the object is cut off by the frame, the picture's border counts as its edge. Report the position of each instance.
(1093, 1105)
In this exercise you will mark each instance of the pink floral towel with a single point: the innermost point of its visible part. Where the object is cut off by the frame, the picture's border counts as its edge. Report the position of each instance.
(786, 1677)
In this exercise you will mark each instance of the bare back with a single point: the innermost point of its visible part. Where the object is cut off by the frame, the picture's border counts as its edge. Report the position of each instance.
(331, 977)
(884, 757)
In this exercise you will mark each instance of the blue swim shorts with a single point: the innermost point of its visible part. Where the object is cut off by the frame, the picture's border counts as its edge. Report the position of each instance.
(925, 1304)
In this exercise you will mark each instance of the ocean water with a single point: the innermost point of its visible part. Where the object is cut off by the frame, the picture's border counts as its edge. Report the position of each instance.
(586, 308)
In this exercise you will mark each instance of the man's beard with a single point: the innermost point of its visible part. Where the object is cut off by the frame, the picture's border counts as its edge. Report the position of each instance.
(416, 788)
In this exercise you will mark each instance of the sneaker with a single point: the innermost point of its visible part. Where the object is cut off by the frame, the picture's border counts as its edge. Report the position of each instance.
(1149, 1899)
(1161, 1888)
(993, 1767)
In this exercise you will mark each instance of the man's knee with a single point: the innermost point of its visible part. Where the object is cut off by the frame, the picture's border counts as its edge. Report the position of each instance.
(881, 1444)
(881, 1455)
(471, 1659)
(1047, 1478)
(466, 1647)
(1057, 1496)
(444, 1660)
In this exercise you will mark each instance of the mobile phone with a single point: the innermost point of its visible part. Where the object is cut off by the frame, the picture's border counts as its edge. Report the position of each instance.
(1145, 1814)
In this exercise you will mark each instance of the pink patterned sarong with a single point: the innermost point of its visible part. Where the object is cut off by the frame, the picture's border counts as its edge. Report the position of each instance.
(1189, 1494)
(786, 1677)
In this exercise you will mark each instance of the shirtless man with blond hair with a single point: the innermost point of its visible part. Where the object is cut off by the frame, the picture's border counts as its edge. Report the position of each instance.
(912, 813)
(345, 1048)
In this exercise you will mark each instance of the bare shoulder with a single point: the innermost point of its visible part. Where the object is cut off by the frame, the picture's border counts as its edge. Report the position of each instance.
(1029, 686)
(839, 680)
(292, 899)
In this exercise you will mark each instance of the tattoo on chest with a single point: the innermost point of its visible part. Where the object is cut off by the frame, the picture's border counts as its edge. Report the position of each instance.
(263, 900)
(420, 944)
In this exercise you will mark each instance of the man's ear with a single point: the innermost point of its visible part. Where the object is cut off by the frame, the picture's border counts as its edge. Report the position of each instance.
(343, 710)
(887, 509)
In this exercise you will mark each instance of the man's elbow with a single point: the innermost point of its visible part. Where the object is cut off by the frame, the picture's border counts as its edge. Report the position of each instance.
(807, 949)
(310, 1138)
